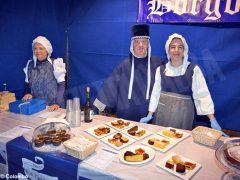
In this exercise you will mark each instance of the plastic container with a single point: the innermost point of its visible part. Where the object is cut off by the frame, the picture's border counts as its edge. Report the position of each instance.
(80, 147)
(49, 137)
(205, 135)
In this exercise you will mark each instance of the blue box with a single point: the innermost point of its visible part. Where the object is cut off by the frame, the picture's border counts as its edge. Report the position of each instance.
(27, 107)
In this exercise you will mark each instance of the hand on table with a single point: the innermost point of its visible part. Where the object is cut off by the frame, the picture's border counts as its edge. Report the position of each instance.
(215, 125)
(53, 107)
(146, 119)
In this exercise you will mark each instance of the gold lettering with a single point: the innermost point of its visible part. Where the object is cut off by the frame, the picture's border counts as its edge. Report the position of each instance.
(177, 8)
(228, 7)
(195, 7)
(215, 14)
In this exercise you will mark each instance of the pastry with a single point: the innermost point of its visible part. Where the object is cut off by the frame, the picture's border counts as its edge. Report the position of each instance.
(177, 159)
(48, 140)
(159, 144)
(56, 141)
(132, 157)
(124, 139)
(38, 142)
(65, 137)
(189, 165)
(169, 164)
(117, 136)
(180, 168)
(169, 133)
(51, 131)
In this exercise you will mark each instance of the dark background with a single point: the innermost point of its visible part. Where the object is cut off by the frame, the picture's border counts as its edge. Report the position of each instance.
(98, 34)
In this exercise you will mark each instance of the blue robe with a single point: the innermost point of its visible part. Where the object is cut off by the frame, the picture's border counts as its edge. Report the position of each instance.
(114, 93)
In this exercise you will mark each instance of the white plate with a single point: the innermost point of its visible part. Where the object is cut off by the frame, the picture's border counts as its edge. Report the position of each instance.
(91, 131)
(148, 150)
(188, 173)
(105, 140)
(185, 135)
(171, 144)
(120, 129)
(147, 133)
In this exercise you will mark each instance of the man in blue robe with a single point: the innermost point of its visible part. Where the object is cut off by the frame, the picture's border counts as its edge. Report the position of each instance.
(126, 92)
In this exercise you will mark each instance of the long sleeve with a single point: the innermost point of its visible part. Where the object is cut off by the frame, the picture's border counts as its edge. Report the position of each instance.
(108, 95)
(155, 96)
(201, 95)
(60, 94)
(27, 88)
(25, 70)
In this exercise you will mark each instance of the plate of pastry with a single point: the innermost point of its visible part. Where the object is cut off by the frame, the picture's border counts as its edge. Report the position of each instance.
(174, 134)
(159, 143)
(100, 131)
(118, 140)
(135, 155)
(120, 124)
(137, 132)
(179, 165)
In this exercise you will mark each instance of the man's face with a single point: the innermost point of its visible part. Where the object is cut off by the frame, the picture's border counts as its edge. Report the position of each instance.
(40, 51)
(176, 50)
(140, 47)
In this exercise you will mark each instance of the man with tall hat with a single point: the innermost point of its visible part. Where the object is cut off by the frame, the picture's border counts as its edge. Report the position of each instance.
(127, 91)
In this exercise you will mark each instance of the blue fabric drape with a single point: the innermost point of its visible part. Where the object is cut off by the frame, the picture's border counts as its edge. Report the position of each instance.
(99, 39)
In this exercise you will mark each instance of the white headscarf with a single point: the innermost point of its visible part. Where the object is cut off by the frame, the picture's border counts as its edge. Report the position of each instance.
(185, 53)
(46, 43)
(132, 69)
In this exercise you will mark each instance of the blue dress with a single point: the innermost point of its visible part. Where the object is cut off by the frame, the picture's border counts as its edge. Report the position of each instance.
(176, 107)
(42, 82)
(114, 93)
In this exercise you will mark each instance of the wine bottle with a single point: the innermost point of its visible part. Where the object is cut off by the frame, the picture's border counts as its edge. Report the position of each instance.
(88, 109)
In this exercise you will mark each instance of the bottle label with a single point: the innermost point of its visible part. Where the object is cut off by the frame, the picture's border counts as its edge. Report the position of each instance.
(91, 115)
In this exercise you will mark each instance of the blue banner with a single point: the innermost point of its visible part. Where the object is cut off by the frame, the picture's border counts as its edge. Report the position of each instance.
(26, 163)
(187, 11)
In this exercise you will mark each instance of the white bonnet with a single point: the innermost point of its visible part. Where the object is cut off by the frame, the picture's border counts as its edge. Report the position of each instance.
(46, 43)
(170, 38)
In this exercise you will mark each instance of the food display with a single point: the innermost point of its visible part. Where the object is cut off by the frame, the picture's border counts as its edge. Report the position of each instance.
(161, 144)
(118, 140)
(50, 136)
(135, 132)
(228, 155)
(172, 133)
(120, 124)
(179, 165)
(138, 154)
(100, 131)
(80, 147)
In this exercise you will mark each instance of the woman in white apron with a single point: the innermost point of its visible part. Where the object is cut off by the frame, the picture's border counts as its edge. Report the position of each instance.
(180, 90)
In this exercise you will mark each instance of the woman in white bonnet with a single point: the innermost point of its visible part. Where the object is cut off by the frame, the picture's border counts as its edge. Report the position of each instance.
(45, 77)
(179, 90)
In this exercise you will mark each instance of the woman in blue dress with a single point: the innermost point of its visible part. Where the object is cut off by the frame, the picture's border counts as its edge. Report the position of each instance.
(44, 76)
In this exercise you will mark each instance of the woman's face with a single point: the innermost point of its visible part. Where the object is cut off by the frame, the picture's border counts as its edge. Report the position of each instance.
(176, 50)
(140, 47)
(40, 51)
